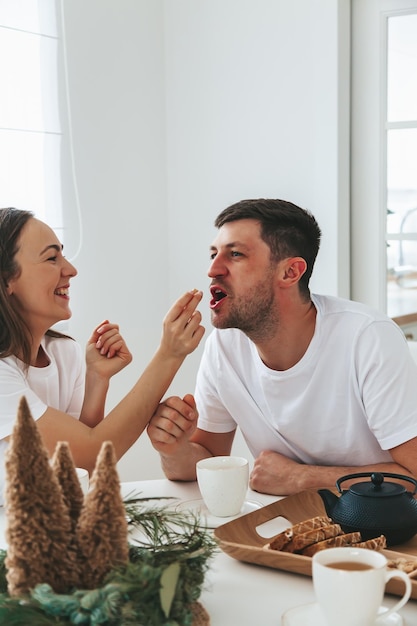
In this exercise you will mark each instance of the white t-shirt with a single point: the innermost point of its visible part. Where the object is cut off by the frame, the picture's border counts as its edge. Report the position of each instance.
(60, 385)
(351, 397)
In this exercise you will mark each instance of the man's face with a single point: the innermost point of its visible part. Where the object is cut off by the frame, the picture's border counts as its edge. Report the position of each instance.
(242, 279)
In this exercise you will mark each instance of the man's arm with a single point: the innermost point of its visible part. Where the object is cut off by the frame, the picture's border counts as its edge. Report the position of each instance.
(275, 474)
(174, 434)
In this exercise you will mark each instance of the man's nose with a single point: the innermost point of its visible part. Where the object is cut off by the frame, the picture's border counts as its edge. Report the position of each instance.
(217, 267)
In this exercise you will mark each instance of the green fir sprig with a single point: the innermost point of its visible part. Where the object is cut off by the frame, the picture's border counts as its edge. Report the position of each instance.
(168, 560)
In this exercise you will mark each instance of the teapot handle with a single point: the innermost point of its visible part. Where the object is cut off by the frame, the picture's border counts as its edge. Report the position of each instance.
(370, 474)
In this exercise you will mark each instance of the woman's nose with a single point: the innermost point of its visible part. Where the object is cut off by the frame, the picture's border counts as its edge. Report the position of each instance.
(69, 268)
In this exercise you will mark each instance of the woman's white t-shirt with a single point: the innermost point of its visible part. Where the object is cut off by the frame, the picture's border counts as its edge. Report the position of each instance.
(60, 385)
(351, 397)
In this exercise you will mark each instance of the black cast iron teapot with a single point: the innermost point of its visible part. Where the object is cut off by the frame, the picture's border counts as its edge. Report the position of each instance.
(375, 507)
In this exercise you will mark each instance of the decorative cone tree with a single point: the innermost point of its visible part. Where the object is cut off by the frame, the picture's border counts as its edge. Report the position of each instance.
(102, 528)
(38, 531)
(60, 570)
(63, 466)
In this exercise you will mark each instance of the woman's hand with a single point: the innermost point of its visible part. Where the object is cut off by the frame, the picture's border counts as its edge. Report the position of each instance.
(107, 352)
(182, 330)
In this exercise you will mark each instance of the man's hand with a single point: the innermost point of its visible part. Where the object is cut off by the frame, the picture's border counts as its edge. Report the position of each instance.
(275, 474)
(172, 424)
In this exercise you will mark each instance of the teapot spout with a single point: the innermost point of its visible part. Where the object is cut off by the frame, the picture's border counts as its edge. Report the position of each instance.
(329, 499)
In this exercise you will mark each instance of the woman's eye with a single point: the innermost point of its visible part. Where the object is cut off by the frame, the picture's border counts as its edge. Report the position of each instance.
(236, 253)
(52, 258)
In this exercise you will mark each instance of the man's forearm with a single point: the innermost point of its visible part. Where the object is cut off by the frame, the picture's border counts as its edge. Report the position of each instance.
(275, 474)
(317, 476)
(181, 466)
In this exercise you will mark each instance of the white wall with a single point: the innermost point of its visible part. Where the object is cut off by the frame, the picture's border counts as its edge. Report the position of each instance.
(179, 108)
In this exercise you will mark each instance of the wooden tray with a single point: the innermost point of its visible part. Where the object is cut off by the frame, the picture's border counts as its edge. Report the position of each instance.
(240, 539)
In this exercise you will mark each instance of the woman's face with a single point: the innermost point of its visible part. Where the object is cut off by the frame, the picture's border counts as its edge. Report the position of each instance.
(41, 291)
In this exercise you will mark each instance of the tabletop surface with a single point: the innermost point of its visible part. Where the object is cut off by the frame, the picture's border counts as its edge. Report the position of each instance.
(243, 594)
(237, 593)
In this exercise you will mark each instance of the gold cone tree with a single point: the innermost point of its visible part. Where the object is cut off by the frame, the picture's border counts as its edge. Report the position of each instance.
(102, 528)
(63, 467)
(38, 530)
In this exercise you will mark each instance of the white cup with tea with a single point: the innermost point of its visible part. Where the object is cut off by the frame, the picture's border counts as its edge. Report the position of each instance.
(349, 584)
(223, 483)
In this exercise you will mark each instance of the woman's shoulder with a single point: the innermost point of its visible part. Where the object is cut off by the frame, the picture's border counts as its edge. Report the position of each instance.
(61, 346)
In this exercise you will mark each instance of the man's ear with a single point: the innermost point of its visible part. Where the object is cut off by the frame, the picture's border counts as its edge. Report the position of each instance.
(292, 270)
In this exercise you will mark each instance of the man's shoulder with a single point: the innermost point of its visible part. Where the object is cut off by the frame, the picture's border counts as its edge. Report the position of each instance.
(328, 305)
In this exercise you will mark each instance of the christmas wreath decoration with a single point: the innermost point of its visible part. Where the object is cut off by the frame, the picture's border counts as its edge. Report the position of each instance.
(71, 559)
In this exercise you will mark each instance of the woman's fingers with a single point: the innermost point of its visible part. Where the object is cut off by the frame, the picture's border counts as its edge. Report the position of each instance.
(185, 306)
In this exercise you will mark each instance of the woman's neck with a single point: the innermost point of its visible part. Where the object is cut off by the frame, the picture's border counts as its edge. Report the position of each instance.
(41, 359)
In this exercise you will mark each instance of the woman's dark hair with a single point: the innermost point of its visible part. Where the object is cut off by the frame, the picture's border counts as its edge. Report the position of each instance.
(287, 229)
(15, 336)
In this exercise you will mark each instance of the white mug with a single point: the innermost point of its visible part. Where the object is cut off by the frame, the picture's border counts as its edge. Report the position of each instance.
(223, 483)
(83, 479)
(349, 584)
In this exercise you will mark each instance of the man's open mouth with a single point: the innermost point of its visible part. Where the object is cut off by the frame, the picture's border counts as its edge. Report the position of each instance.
(217, 296)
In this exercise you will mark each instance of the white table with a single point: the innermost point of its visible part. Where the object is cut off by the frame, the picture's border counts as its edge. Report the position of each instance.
(242, 594)
(237, 593)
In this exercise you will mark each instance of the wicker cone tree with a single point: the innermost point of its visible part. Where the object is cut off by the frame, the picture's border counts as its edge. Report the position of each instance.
(102, 532)
(63, 466)
(38, 530)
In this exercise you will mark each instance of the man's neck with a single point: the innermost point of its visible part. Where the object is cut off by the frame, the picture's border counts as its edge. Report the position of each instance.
(290, 342)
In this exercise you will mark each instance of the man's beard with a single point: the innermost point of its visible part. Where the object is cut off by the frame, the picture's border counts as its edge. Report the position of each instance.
(256, 314)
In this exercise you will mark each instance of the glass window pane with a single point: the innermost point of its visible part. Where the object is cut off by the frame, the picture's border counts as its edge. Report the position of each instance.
(402, 158)
(30, 83)
(36, 170)
(30, 163)
(37, 16)
(402, 68)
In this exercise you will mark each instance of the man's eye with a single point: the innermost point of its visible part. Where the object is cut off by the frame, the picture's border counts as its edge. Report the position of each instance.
(212, 256)
(236, 253)
(52, 258)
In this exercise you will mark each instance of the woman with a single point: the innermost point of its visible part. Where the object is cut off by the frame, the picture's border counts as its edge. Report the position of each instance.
(48, 367)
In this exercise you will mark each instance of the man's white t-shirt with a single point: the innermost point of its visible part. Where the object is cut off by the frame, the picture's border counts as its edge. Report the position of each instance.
(351, 397)
(60, 385)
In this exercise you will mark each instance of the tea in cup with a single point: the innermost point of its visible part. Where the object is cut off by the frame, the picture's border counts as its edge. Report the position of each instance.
(349, 584)
(223, 483)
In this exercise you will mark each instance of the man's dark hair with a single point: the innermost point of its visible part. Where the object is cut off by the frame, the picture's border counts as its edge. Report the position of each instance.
(286, 228)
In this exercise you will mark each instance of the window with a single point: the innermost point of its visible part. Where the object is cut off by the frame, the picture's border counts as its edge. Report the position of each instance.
(384, 157)
(35, 148)
(401, 177)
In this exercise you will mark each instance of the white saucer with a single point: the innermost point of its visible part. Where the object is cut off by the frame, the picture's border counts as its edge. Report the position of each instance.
(310, 615)
(212, 521)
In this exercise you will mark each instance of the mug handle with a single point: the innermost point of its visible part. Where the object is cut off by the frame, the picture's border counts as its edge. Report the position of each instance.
(396, 573)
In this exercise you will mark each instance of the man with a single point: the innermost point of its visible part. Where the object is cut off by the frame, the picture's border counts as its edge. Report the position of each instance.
(319, 386)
